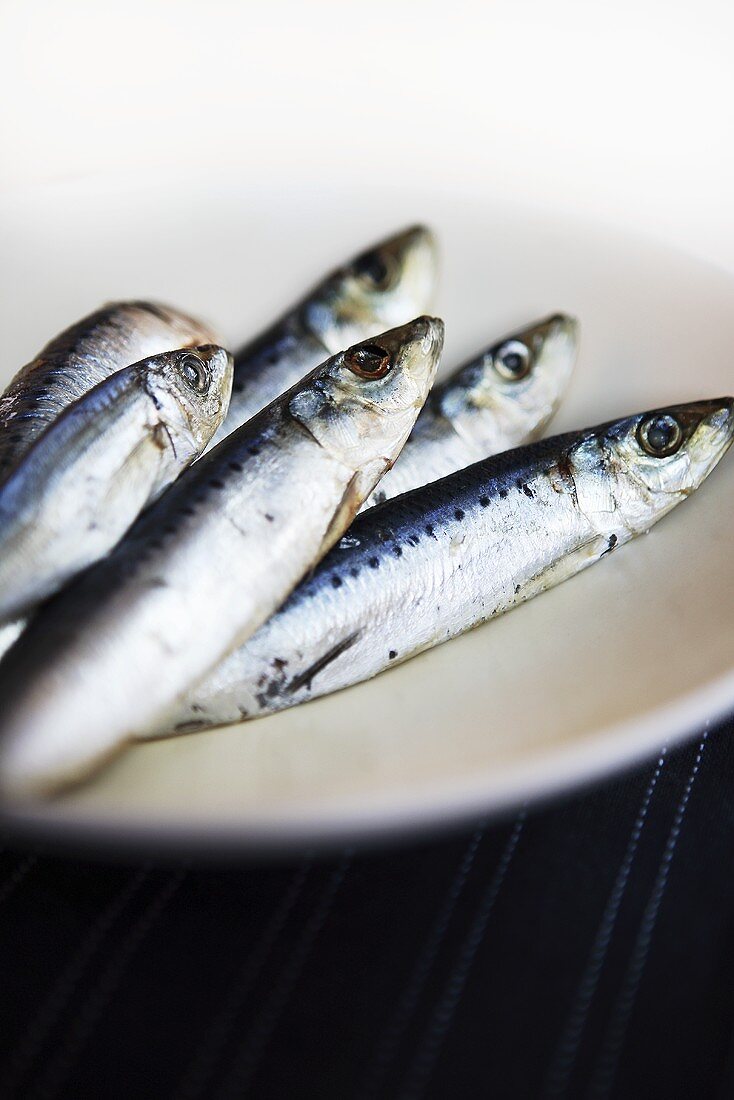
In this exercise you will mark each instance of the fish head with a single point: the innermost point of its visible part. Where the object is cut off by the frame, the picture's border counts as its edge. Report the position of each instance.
(183, 330)
(361, 404)
(191, 388)
(384, 286)
(655, 459)
(519, 382)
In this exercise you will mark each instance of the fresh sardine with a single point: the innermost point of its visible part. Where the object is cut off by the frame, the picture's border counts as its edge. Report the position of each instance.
(86, 479)
(498, 400)
(208, 562)
(115, 336)
(427, 566)
(383, 287)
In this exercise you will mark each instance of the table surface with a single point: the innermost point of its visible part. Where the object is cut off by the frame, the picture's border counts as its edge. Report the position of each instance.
(581, 949)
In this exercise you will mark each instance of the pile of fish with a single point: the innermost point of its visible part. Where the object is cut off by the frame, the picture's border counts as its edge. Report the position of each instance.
(180, 544)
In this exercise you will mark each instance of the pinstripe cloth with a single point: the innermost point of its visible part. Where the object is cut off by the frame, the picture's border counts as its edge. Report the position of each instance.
(584, 949)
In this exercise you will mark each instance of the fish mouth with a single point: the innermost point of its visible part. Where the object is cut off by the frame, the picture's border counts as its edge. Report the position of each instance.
(721, 408)
(558, 325)
(718, 418)
(716, 414)
(413, 257)
(423, 355)
(416, 347)
(415, 239)
(427, 332)
(430, 332)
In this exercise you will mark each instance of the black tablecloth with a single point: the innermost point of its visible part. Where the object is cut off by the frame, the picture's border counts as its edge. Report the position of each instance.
(581, 949)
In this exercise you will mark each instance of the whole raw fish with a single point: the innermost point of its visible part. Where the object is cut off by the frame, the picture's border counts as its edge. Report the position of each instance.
(112, 337)
(86, 479)
(431, 564)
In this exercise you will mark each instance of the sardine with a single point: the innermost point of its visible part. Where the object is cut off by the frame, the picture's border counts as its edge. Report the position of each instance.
(496, 401)
(208, 562)
(86, 479)
(113, 337)
(385, 286)
(429, 565)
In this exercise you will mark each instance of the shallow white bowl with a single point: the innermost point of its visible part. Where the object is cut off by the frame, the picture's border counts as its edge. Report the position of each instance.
(633, 654)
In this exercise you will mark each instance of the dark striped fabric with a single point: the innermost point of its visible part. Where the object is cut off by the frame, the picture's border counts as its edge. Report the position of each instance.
(585, 949)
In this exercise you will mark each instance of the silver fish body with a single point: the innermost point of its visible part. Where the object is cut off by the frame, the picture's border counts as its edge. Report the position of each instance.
(208, 563)
(91, 350)
(381, 288)
(500, 399)
(431, 564)
(86, 479)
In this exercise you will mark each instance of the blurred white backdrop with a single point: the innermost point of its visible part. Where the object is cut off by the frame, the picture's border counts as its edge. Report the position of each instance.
(623, 113)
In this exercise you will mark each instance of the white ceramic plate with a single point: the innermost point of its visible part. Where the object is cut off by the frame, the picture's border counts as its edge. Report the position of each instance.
(636, 652)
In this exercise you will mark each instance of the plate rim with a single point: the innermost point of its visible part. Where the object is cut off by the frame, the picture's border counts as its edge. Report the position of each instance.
(545, 774)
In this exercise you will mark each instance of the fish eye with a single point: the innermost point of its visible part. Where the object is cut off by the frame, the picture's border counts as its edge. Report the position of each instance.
(368, 361)
(374, 268)
(660, 435)
(513, 360)
(194, 373)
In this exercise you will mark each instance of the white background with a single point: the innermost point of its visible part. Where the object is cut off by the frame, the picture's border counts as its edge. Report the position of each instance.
(622, 112)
